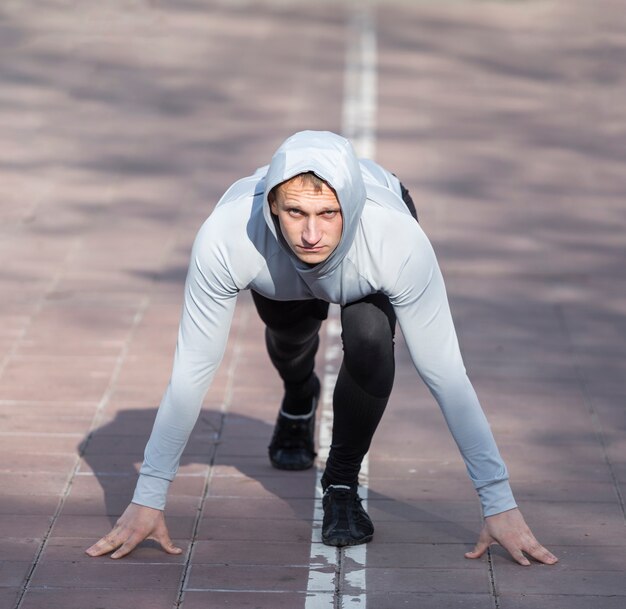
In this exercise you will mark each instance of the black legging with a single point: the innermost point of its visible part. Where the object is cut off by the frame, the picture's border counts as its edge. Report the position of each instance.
(365, 378)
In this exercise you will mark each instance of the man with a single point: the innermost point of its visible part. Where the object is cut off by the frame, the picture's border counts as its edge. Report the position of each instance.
(318, 226)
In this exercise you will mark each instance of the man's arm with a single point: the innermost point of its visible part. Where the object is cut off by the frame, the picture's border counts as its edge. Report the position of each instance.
(209, 304)
(422, 308)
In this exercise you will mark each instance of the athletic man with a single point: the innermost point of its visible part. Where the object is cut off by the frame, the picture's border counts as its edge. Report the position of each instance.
(318, 226)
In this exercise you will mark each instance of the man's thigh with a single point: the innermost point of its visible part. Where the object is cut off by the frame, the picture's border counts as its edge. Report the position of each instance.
(282, 314)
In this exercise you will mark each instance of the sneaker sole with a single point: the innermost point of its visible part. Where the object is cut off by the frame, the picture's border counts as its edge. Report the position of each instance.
(341, 542)
(291, 467)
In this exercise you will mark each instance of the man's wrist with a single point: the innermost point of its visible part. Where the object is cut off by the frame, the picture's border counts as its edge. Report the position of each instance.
(496, 498)
(151, 492)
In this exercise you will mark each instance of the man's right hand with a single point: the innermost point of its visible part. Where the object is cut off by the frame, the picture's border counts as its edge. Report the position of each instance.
(137, 523)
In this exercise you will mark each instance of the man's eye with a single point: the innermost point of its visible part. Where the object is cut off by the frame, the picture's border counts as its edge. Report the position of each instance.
(294, 212)
(331, 213)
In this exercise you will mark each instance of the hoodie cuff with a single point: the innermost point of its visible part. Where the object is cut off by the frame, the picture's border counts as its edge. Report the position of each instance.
(496, 498)
(151, 492)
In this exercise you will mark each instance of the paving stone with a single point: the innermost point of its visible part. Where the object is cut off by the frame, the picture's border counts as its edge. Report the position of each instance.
(414, 468)
(558, 601)
(106, 573)
(76, 598)
(257, 507)
(29, 463)
(462, 581)
(251, 465)
(256, 529)
(127, 445)
(123, 420)
(592, 534)
(257, 578)
(198, 449)
(90, 486)
(424, 488)
(115, 503)
(33, 484)
(573, 513)
(391, 600)
(251, 447)
(261, 553)
(253, 600)
(71, 379)
(420, 554)
(565, 490)
(575, 557)
(31, 505)
(49, 423)
(97, 526)
(24, 526)
(558, 579)
(118, 464)
(19, 549)
(8, 597)
(103, 331)
(382, 509)
(298, 486)
(40, 444)
(431, 532)
(13, 573)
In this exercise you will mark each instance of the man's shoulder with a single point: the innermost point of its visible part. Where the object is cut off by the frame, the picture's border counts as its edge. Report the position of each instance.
(388, 227)
(375, 174)
(244, 191)
(235, 235)
(385, 205)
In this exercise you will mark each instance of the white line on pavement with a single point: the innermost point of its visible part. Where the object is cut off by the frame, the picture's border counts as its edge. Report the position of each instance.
(359, 125)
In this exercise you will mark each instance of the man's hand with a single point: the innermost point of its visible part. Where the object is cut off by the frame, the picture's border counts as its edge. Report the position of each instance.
(511, 531)
(137, 523)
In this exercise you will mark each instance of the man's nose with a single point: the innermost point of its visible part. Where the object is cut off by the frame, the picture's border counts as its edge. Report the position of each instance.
(312, 232)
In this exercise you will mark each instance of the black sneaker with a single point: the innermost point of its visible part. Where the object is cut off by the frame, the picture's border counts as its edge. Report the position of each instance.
(293, 443)
(345, 522)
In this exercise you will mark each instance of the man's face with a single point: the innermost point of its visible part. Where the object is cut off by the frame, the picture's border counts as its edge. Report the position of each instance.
(310, 220)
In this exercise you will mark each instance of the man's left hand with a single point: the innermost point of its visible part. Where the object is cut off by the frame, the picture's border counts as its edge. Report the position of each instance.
(511, 531)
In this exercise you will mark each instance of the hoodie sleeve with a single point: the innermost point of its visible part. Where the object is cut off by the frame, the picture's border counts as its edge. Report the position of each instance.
(208, 308)
(421, 304)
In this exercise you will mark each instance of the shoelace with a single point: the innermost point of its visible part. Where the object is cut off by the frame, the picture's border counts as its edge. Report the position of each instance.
(344, 497)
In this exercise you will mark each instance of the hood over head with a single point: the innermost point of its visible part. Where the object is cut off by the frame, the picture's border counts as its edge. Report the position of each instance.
(332, 158)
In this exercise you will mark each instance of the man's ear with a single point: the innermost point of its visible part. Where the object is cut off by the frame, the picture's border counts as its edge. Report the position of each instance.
(271, 198)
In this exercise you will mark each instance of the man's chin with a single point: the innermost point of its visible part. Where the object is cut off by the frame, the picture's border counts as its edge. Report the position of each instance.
(311, 258)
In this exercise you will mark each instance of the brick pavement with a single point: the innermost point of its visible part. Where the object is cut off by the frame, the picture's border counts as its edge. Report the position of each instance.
(120, 125)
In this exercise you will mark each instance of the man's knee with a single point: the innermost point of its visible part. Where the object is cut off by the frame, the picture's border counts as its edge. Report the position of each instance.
(373, 339)
(368, 348)
(368, 327)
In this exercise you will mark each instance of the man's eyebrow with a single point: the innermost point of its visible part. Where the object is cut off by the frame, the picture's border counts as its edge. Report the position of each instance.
(331, 207)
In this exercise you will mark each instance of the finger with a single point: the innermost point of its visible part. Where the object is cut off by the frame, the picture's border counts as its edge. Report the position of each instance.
(163, 538)
(479, 550)
(104, 546)
(170, 548)
(541, 554)
(517, 554)
(128, 546)
(519, 557)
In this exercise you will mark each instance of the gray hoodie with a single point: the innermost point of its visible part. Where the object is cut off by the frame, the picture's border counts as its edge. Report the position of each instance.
(382, 249)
